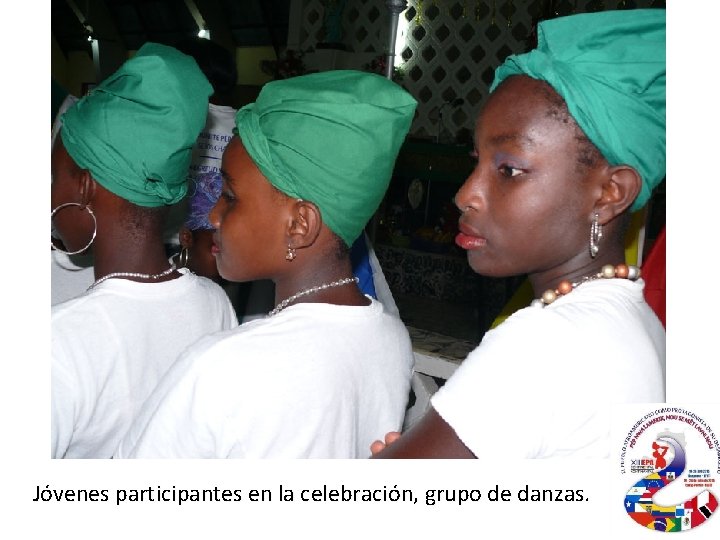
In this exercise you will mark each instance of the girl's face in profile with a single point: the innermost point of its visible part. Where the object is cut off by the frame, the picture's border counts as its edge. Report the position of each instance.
(201, 261)
(249, 242)
(527, 205)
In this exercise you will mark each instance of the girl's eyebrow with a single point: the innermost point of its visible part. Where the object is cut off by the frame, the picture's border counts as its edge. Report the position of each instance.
(525, 140)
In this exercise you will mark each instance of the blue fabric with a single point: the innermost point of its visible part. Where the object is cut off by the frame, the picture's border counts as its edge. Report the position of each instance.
(360, 259)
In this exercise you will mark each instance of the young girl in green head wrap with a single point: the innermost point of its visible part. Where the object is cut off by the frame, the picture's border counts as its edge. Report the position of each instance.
(571, 140)
(121, 160)
(328, 366)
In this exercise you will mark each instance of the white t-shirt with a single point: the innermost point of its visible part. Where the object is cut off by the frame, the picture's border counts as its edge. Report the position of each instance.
(111, 346)
(542, 383)
(313, 381)
(215, 136)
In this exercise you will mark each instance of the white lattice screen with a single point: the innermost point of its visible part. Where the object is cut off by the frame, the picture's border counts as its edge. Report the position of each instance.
(451, 51)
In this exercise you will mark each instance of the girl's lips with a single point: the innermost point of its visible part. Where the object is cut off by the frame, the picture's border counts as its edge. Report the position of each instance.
(467, 241)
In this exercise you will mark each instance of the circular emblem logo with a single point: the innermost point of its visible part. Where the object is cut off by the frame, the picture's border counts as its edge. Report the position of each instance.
(670, 445)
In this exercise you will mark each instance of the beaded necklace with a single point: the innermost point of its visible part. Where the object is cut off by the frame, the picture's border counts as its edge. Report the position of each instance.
(608, 271)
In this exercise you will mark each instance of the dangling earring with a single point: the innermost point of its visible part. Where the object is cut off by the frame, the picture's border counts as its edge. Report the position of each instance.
(291, 254)
(595, 235)
(92, 214)
(184, 257)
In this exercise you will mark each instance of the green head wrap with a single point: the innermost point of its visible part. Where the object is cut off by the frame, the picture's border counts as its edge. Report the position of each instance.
(610, 69)
(330, 138)
(135, 131)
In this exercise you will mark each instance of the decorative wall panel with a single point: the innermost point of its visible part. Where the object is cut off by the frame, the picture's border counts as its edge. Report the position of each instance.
(451, 50)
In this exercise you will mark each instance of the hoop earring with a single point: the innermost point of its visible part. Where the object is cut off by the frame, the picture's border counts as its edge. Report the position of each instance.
(184, 257)
(92, 214)
(291, 254)
(595, 235)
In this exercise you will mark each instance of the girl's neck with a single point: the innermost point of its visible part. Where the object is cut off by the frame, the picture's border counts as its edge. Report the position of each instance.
(144, 257)
(575, 269)
(304, 279)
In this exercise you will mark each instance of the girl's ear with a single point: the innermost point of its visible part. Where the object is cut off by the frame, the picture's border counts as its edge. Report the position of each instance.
(305, 224)
(619, 191)
(87, 187)
(185, 236)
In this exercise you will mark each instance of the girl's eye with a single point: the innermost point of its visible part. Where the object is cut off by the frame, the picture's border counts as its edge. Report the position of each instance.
(509, 171)
(229, 197)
